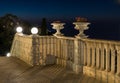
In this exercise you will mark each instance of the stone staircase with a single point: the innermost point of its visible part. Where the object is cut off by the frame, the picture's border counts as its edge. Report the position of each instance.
(13, 70)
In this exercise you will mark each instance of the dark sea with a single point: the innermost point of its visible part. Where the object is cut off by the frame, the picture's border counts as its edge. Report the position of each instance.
(105, 30)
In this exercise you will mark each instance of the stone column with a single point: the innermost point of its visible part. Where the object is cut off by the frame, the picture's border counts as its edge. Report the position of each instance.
(118, 60)
(108, 59)
(34, 50)
(77, 65)
(112, 60)
(41, 50)
(75, 56)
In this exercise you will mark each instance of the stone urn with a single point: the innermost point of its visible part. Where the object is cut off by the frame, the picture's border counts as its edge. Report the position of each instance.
(57, 25)
(81, 24)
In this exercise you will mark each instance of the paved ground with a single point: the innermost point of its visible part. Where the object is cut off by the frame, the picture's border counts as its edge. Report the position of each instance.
(13, 70)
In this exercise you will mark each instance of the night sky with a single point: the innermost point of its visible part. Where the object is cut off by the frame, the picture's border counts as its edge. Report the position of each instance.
(36, 9)
(101, 13)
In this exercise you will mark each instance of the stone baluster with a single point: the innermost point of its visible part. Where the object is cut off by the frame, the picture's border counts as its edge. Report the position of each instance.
(66, 52)
(59, 51)
(112, 60)
(88, 55)
(102, 58)
(85, 55)
(97, 58)
(107, 59)
(118, 60)
(93, 56)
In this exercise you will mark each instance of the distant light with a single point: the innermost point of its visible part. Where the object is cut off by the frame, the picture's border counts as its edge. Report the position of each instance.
(19, 29)
(8, 55)
(34, 30)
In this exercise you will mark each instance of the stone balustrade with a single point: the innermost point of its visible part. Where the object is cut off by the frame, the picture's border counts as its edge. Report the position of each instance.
(96, 58)
(101, 59)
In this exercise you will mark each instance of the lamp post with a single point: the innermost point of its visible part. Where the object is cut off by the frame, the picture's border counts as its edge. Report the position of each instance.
(81, 24)
(58, 26)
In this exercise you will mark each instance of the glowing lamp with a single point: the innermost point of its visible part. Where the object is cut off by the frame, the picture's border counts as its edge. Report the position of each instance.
(8, 54)
(19, 29)
(34, 30)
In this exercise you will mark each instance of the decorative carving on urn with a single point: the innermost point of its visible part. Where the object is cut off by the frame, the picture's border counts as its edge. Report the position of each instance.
(81, 24)
(58, 26)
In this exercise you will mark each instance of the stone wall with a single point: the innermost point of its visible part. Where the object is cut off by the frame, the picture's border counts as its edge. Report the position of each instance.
(22, 48)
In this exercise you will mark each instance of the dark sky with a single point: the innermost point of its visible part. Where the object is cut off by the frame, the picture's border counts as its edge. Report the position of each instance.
(104, 15)
(35, 9)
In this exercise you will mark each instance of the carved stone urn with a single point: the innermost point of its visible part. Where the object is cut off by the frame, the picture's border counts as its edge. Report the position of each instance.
(81, 24)
(57, 25)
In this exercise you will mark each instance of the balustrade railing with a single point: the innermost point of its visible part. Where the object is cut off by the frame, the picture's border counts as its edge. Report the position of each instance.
(78, 54)
(103, 55)
(99, 54)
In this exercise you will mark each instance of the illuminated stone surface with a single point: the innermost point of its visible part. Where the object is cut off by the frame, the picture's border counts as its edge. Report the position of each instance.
(99, 59)
(13, 70)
